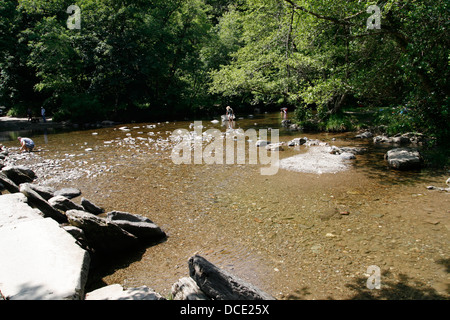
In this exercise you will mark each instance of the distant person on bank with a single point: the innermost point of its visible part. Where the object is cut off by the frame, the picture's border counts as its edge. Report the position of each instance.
(29, 114)
(26, 144)
(43, 114)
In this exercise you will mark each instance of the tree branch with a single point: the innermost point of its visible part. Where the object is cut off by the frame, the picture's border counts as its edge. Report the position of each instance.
(320, 16)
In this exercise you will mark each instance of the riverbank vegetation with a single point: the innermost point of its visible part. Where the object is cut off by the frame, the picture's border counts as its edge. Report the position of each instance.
(184, 58)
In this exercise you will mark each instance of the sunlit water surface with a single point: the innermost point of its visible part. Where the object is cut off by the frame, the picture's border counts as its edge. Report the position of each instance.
(295, 235)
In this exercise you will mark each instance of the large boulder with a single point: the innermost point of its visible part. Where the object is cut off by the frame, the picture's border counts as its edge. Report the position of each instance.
(142, 227)
(8, 184)
(218, 284)
(40, 203)
(404, 159)
(41, 261)
(19, 174)
(102, 235)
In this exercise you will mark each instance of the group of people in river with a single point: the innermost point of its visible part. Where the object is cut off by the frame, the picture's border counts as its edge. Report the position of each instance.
(27, 144)
(229, 115)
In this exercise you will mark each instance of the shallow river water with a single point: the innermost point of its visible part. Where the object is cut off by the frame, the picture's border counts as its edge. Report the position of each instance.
(295, 235)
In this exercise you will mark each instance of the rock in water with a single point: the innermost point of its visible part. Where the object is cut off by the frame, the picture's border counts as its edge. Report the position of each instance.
(102, 235)
(8, 183)
(221, 285)
(40, 203)
(68, 192)
(44, 192)
(90, 207)
(186, 289)
(19, 174)
(64, 204)
(142, 227)
(404, 159)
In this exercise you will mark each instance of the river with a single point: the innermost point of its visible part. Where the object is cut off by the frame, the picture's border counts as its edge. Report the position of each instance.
(295, 235)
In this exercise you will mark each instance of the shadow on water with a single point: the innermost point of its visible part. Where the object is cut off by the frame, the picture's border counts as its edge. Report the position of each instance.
(103, 264)
(402, 288)
(405, 288)
(373, 164)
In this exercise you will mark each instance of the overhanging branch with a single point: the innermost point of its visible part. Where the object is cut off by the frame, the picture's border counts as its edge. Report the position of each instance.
(343, 21)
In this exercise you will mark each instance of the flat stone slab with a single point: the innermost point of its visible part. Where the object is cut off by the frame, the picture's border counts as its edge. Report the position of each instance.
(117, 292)
(14, 208)
(316, 160)
(41, 261)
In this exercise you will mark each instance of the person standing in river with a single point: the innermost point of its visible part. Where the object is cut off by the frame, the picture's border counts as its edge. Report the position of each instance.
(26, 144)
(230, 117)
(229, 113)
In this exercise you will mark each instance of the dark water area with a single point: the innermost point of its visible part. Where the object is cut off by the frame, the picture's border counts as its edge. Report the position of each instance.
(295, 235)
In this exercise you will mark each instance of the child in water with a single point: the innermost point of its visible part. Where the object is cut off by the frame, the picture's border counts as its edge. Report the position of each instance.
(26, 144)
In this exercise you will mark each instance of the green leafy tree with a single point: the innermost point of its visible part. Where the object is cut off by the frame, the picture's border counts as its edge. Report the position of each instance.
(319, 56)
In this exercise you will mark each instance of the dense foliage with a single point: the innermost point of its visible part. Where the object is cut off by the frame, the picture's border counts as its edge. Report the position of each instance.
(180, 58)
